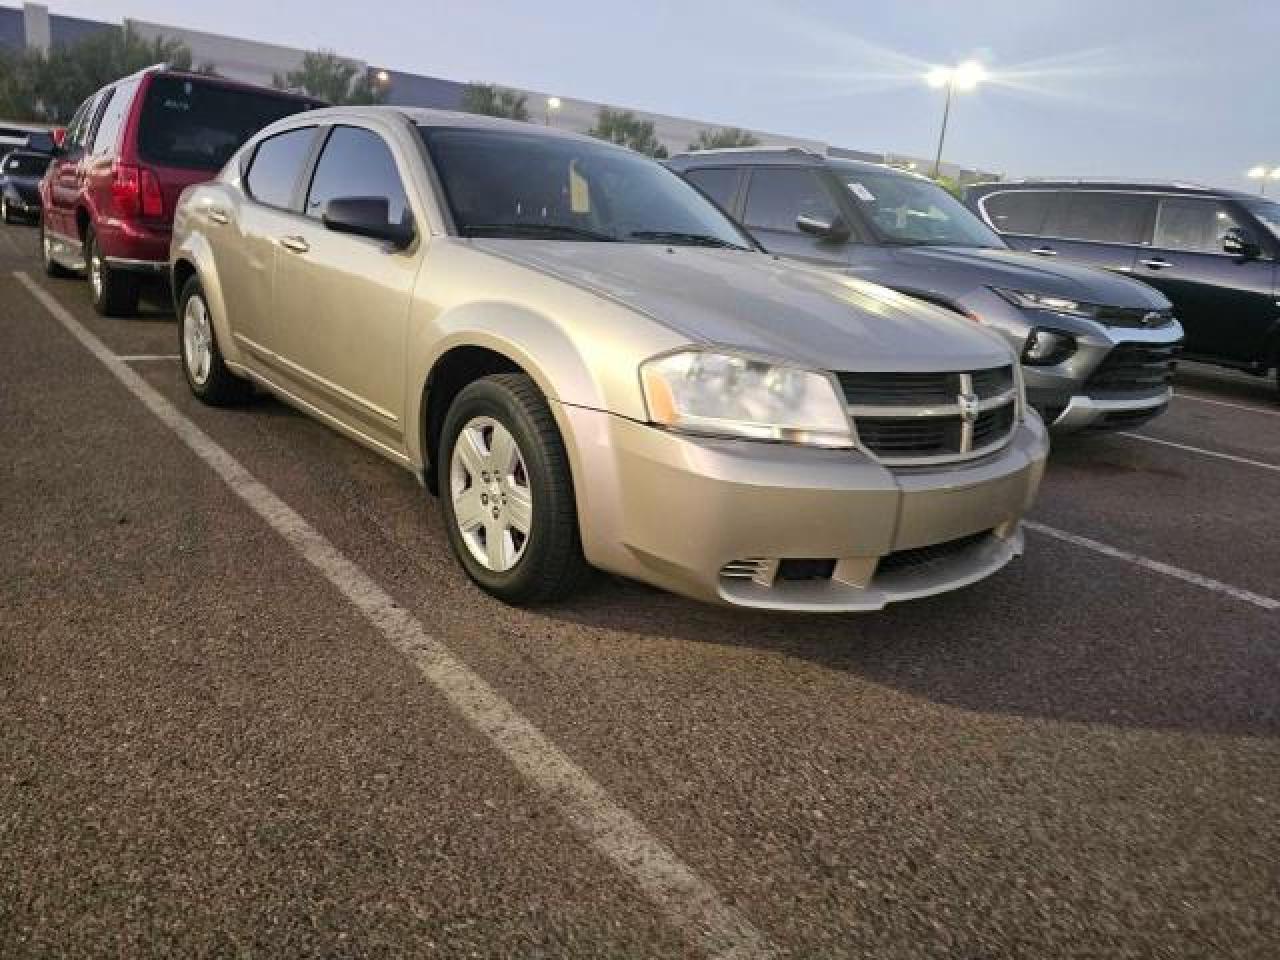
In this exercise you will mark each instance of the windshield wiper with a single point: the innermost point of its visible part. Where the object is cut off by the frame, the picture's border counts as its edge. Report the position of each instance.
(692, 239)
(551, 231)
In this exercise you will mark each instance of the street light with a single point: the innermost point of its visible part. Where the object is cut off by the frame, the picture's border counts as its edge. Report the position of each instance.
(1261, 173)
(963, 77)
(553, 104)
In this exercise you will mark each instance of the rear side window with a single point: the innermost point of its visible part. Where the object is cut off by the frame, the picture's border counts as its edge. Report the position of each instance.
(197, 124)
(1194, 224)
(113, 118)
(778, 195)
(276, 166)
(1018, 211)
(718, 183)
(357, 163)
(1100, 217)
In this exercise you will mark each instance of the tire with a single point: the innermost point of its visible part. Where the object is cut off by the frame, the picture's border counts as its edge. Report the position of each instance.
(52, 268)
(207, 374)
(5, 214)
(548, 563)
(114, 293)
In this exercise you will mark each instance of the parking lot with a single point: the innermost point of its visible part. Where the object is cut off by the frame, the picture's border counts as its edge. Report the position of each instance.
(250, 706)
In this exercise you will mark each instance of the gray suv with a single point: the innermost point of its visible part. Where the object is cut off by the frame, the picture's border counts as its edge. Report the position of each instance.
(1097, 349)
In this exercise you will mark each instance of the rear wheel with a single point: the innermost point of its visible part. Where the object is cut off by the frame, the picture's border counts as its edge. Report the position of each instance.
(52, 268)
(207, 374)
(5, 213)
(507, 492)
(114, 292)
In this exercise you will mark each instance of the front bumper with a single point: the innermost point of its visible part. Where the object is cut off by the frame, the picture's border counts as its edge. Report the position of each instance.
(692, 514)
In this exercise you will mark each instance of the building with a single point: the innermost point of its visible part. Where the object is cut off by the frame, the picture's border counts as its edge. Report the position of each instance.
(250, 60)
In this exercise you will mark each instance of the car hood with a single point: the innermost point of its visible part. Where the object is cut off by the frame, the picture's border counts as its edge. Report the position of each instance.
(757, 303)
(1013, 270)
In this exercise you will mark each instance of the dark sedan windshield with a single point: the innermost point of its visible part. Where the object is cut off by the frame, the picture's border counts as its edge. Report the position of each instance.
(911, 210)
(25, 165)
(502, 183)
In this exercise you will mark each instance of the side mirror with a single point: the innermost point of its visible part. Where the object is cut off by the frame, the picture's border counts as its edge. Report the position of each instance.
(366, 217)
(1239, 243)
(834, 230)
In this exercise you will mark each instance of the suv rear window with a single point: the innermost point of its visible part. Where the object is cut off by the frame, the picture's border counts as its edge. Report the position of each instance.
(197, 124)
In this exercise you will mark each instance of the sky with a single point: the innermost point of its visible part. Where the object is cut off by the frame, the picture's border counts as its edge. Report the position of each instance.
(1162, 89)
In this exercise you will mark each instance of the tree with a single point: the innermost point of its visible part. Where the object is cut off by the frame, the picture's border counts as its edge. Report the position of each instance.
(625, 129)
(491, 101)
(327, 76)
(951, 185)
(724, 137)
(49, 86)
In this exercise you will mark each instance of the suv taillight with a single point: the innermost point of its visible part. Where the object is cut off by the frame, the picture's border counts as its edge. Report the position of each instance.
(136, 191)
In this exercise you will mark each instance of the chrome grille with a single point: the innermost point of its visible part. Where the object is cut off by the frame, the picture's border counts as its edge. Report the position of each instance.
(911, 418)
(759, 569)
(1135, 368)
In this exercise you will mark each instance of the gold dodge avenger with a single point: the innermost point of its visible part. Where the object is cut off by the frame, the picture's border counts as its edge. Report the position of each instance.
(593, 367)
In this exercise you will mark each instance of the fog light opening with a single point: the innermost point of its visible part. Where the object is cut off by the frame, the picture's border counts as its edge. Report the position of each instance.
(806, 568)
(1047, 347)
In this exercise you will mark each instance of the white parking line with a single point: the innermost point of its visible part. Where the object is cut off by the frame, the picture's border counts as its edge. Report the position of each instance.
(1155, 566)
(1217, 454)
(688, 901)
(1223, 403)
(130, 358)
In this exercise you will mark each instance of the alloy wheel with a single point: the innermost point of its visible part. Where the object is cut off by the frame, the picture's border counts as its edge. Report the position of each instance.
(197, 340)
(95, 273)
(492, 499)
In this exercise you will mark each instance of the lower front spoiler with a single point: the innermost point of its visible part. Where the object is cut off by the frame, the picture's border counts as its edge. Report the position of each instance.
(1092, 413)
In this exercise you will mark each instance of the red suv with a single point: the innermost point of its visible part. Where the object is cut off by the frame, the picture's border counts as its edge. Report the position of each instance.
(130, 151)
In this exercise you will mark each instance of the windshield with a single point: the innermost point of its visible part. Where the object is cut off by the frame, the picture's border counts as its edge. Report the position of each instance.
(911, 210)
(25, 165)
(198, 125)
(502, 183)
(1268, 211)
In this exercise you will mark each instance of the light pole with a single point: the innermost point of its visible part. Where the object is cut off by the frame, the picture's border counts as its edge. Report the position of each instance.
(963, 77)
(1259, 173)
(553, 104)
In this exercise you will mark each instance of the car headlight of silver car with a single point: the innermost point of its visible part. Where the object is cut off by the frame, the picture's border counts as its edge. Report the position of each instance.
(1044, 301)
(723, 394)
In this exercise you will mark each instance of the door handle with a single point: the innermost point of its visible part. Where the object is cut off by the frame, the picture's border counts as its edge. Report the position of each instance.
(219, 216)
(1044, 251)
(1155, 263)
(296, 244)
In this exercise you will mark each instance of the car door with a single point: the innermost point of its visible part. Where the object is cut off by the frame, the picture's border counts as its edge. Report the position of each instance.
(776, 196)
(64, 177)
(343, 300)
(1225, 302)
(243, 230)
(1099, 228)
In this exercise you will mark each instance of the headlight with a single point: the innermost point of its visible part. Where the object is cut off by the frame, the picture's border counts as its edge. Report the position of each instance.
(725, 395)
(1044, 301)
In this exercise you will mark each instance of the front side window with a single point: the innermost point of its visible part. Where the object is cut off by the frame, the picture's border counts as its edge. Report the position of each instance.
(1193, 224)
(1020, 211)
(357, 163)
(1267, 211)
(912, 211)
(198, 124)
(276, 166)
(778, 195)
(501, 183)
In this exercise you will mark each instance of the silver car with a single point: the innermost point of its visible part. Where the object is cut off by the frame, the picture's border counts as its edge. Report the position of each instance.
(594, 368)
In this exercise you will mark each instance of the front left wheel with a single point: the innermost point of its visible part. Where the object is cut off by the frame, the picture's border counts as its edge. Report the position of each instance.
(507, 492)
(5, 213)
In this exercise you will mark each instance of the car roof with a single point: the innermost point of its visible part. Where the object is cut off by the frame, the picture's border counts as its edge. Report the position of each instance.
(779, 156)
(1106, 184)
(164, 70)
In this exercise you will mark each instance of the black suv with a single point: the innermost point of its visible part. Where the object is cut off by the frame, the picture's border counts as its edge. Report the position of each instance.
(1213, 253)
(1097, 349)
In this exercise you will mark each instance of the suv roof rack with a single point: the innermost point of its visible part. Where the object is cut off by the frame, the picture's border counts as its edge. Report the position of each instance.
(1132, 181)
(800, 151)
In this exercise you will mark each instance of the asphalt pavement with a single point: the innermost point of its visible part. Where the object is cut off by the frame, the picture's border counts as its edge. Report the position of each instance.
(208, 748)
